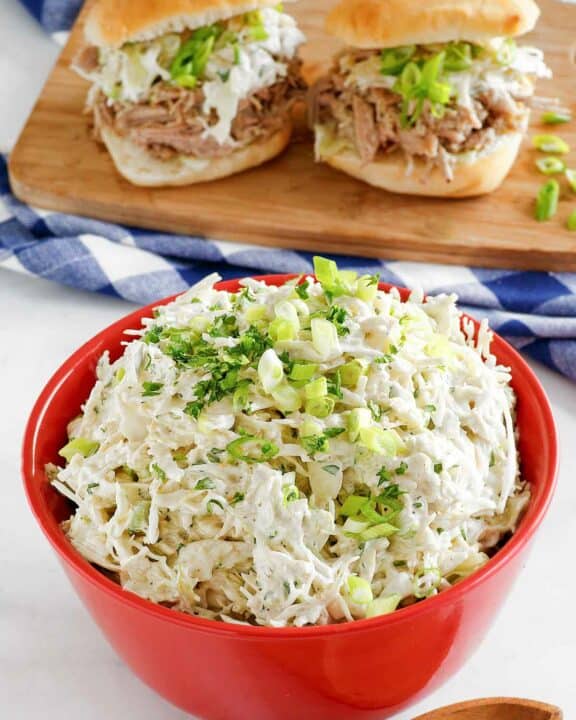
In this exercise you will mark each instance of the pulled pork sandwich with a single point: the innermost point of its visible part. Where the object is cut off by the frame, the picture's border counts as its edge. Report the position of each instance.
(185, 91)
(429, 98)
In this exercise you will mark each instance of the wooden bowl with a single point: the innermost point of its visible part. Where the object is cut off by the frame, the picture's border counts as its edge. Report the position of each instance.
(495, 709)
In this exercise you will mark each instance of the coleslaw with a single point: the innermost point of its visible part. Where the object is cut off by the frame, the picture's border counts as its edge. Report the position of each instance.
(305, 454)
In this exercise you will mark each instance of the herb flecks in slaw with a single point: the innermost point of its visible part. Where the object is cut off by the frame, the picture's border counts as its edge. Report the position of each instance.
(295, 455)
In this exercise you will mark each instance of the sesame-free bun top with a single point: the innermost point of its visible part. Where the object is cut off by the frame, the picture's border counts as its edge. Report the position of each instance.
(391, 23)
(111, 23)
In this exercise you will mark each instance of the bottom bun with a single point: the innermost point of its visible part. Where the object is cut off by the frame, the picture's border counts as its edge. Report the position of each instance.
(474, 174)
(139, 167)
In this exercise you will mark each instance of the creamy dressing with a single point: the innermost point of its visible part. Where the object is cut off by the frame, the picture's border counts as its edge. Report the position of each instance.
(181, 520)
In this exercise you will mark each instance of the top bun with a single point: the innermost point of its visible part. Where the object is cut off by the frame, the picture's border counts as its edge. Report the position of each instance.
(390, 23)
(111, 23)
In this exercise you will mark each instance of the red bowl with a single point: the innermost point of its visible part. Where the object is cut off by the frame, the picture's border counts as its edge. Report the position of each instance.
(364, 669)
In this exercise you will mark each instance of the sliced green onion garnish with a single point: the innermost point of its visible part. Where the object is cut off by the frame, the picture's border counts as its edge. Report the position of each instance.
(571, 178)
(205, 483)
(359, 590)
(506, 52)
(458, 56)
(303, 372)
(550, 165)
(270, 370)
(320, 407)
(353, 504)
(383, 605)
(252, 449)
(139, 516)
(316, 389)
(571, 222)
(287, 398)
(547, 200)
(378, 440)
(553, 117)
(324, 337)
(289, 494)
(351, 372)
(79, 446)
(281, 330)
(394, 60)
(381, 530)
(358, 419)
(551, 144)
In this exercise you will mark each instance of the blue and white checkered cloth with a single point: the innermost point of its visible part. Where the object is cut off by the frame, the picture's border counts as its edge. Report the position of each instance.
(535, 311)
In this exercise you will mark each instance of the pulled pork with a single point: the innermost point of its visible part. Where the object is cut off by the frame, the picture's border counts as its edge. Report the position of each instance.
(171, 121)
(370, 119)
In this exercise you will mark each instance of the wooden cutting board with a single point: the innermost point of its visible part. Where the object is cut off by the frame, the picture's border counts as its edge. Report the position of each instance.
(294, 203)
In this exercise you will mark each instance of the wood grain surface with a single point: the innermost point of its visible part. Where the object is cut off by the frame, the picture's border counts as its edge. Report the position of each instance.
(500, 708)
(293, 202)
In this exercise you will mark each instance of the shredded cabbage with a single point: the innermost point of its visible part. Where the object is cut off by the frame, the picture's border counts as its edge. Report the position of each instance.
(204, 482)
(229, 60)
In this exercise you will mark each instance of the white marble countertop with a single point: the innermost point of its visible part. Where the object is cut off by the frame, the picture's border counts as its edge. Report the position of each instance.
(53, 661)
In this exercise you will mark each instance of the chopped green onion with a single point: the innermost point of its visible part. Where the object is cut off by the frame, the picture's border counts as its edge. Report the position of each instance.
(290, 493)
(550, 165)
(550, 144)
(240, 396)
(316, 389)
(119, 375)
(334, 282)
(287, 398)
(238, 497)
(438, 467)
(324, 337)
(547, 201)
(353, 527)
(358, 419)
(394, 60)
(320, 407)
(553, 117)
(205, 483)
(255, 313)
(270, 370)
(383, 605)
(303, 372)
(212, 502)
(157, 470)
(359, 590)
(380, 441)
(367, 287)
(79, 446)
(571, 222)
(506, 52)
(262, 449)
(381, 530)
(351, 372)
(139, 516)
(151, 389)
(353, 504)
(571, 178)
(331, 469)
(281, 330)
(458, 56)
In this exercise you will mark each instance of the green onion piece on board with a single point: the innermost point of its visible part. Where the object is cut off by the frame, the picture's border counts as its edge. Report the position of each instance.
(550, 144)
(553, 117)
(547, 201)
(571, 222)
(80, 446)
(550, 165)
(571, 177)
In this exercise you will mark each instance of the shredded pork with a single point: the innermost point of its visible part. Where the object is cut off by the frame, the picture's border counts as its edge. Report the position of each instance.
(171, 121)
(370, 118)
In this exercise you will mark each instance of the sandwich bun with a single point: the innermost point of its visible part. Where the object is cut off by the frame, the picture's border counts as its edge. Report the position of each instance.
(474, 175)
(111, 23)
(369, 24)
(139, 167)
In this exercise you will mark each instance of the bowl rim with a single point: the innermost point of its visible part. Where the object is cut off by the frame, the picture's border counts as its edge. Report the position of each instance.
(72, 558)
